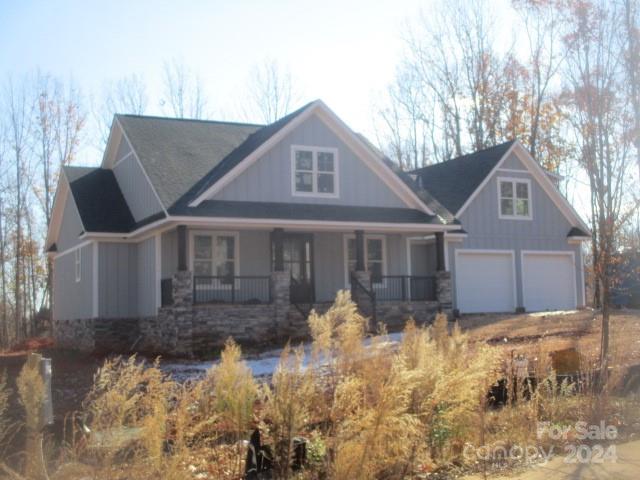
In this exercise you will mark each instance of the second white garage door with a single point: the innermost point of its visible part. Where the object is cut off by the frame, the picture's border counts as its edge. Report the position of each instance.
(485, 281)
(548, 281)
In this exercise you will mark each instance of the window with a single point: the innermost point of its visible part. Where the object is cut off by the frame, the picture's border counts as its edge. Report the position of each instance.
(315, 171)
(215, 255)
(78, 264)
(374, 257)
(515, 198)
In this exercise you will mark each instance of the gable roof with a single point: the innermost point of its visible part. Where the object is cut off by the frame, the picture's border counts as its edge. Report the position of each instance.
(177, 153)
(454, 181)
(436, 207)
(100, 202)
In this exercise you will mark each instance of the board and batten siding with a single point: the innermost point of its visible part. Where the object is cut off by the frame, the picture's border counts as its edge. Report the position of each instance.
(147, 288)
(269, 178)
(71, 226)
(117, 280)
(136, 188)
(547, 230)
(73, 300)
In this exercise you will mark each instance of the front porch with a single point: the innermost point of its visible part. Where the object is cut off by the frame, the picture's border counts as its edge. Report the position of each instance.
(260, 285)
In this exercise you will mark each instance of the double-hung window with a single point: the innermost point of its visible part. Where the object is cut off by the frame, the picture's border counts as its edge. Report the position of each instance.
(374, 257)
(515, 198)
(314, 171)
(215, 255)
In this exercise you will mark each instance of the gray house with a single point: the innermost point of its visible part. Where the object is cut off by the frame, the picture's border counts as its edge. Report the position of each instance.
(191, 231)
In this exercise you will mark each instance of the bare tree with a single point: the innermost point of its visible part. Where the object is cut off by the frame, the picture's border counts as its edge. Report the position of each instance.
(601, 122)
(270, 92)
(58, 124)
(125, 95)
(183, 95)
(632, 64)
(19, 128)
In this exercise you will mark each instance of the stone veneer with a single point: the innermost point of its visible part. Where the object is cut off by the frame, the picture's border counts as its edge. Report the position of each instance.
(184, 329)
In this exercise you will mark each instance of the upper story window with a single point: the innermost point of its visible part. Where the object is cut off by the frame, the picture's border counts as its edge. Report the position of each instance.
(78, 264)
(314, 171)
(515, 198)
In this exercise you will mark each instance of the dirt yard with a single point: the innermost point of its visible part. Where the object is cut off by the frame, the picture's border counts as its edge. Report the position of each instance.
(540, 333)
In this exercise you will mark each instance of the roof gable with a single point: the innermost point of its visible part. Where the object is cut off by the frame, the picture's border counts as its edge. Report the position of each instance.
(177, 153)
(93, 189)
(245, 157)
(453, 182)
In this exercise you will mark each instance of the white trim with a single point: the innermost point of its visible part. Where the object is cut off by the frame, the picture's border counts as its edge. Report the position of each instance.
(77, 265)
(345, 134)
(57, 255)
(144, 172)
(314, 172)
(512, 170)
(513, 181)
(345, 248)
(543, 180)
(547, 253)
(57, 211)
(410, 240)
(215, 233)
(462, 251)
(250, 223)
(582, 283)
(446, 253)
(95, 287)
(119, 161)
(158, 266)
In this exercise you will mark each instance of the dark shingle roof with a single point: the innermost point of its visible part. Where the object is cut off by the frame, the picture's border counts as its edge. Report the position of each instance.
(100, 202)
(577, 232)
(184, 157)
(428, 199)
(177, 153)
(454, 181)
(299, 211)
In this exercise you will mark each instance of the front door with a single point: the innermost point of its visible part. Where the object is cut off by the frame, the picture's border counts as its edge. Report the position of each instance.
(298, 260)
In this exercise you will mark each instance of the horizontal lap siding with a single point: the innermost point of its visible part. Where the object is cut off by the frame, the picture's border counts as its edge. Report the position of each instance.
(546, 231)
(73, 300)
(269, 179)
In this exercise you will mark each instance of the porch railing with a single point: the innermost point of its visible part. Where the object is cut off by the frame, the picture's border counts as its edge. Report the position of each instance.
(404, 288)
(237, 289)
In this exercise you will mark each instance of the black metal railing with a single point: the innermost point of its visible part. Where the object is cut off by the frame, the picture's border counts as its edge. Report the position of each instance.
(359, 292)
(166, 292)
(404, 288)
(238, 289)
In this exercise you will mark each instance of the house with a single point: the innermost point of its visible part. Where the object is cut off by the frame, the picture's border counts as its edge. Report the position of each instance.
(192, 231)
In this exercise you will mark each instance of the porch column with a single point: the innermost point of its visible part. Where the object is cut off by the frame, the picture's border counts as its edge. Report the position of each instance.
(359, 250)
(278, 246)
(182, 248)
(440, 252)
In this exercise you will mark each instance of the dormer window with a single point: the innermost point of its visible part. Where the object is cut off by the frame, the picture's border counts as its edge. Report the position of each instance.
(514, 195)
(314, 171)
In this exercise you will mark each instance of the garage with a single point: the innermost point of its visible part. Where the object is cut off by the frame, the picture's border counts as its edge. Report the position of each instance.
(485, 281)
(548, 281)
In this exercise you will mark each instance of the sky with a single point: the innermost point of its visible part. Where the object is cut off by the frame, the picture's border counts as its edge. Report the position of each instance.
(342, 52)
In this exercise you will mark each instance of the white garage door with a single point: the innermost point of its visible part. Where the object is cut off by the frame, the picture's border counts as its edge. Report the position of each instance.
(548, 281)
(485, 281)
